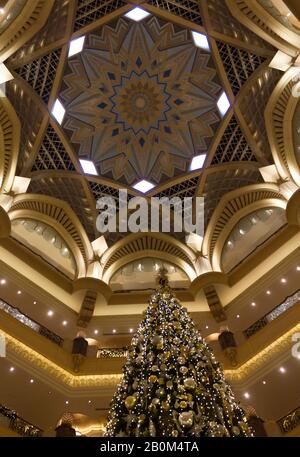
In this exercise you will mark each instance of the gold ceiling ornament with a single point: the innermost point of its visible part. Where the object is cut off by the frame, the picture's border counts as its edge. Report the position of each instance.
(9, 144)
(233, 206)
(281, 127)
(139, 95)
(139, 103)
(58, 214)
(23, 20)
(257, 16)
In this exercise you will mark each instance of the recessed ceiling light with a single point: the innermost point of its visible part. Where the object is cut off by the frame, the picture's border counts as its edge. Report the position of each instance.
(49, 392)
(90, 401)
(253, 304)
(264, 383)
(58, 111)
(88, 167)
(206, 327)
(50, 313)
(201, 40)
(143, 186)
(1, 10)
(298, 268)
(67, 402)
(64, 323)
(31, 381)
(283, 280)
(76, 46)
(114, 330)
(197, 162)
(131, 330)
(19, 292)
(96, 332)
(12, 369)
(282, 370)
(246, 395)
(237, 316)
(137, 14)
(268, 292)
(3, 281)
(223, 104)
(34, 302)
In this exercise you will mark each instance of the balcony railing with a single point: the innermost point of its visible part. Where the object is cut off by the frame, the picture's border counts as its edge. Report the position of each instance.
(17, 314)
(276, 312)
(19, 425)
(112, 352)
(290, 421)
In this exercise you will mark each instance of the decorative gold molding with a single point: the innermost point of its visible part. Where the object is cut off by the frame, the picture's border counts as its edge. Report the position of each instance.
(279, 114)
(251, 14)
(59, 213)
(9, 144)
(25, 26)
(147, 244)
(233, 206)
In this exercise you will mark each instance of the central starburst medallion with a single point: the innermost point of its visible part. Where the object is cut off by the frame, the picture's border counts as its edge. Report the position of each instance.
(140, 102)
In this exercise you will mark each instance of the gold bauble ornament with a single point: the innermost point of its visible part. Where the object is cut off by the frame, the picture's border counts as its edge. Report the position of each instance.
(152, 378)
(163, 367)
(154, 368)
(165, 406)
(155, 401)
(130, 402)
(169, 385)
(186, 418)
(183, 404)
(190, 383)
(175, 433)
(236, 430)
(183, 370)
(161, 381)
(160, 346)
(181, 360)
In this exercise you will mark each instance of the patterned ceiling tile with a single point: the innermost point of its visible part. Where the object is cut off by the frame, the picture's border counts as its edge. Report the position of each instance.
(186, 9)
(87, 11)
(53, 30)
(223, 22)
(52, 154)
(71, 191)
(141, 100)
(221, 182)
(40, 73)
(233, 146)
(239, 64)
(183, 189)
(253, 105)
(30, 116)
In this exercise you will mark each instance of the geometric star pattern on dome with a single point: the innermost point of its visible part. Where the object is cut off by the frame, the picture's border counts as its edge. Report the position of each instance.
(141, 100)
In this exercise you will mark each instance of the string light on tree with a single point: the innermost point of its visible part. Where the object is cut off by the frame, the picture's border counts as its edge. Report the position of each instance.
(172, 385)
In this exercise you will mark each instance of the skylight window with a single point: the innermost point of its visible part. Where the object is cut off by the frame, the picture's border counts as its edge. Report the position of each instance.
(88, 167)
(223, 104)
(198, 162)
(201, 41)
(76, 46)
(143, 186)
(5, 74)
(137, 14)
(58, 111)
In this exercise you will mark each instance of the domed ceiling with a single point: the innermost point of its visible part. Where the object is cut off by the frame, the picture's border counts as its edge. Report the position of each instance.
(140, 102)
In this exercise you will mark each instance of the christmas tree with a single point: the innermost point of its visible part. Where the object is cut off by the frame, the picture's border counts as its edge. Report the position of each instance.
(172, 384)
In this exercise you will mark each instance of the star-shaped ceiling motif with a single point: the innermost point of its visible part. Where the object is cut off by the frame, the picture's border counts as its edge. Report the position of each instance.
(141, 100)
